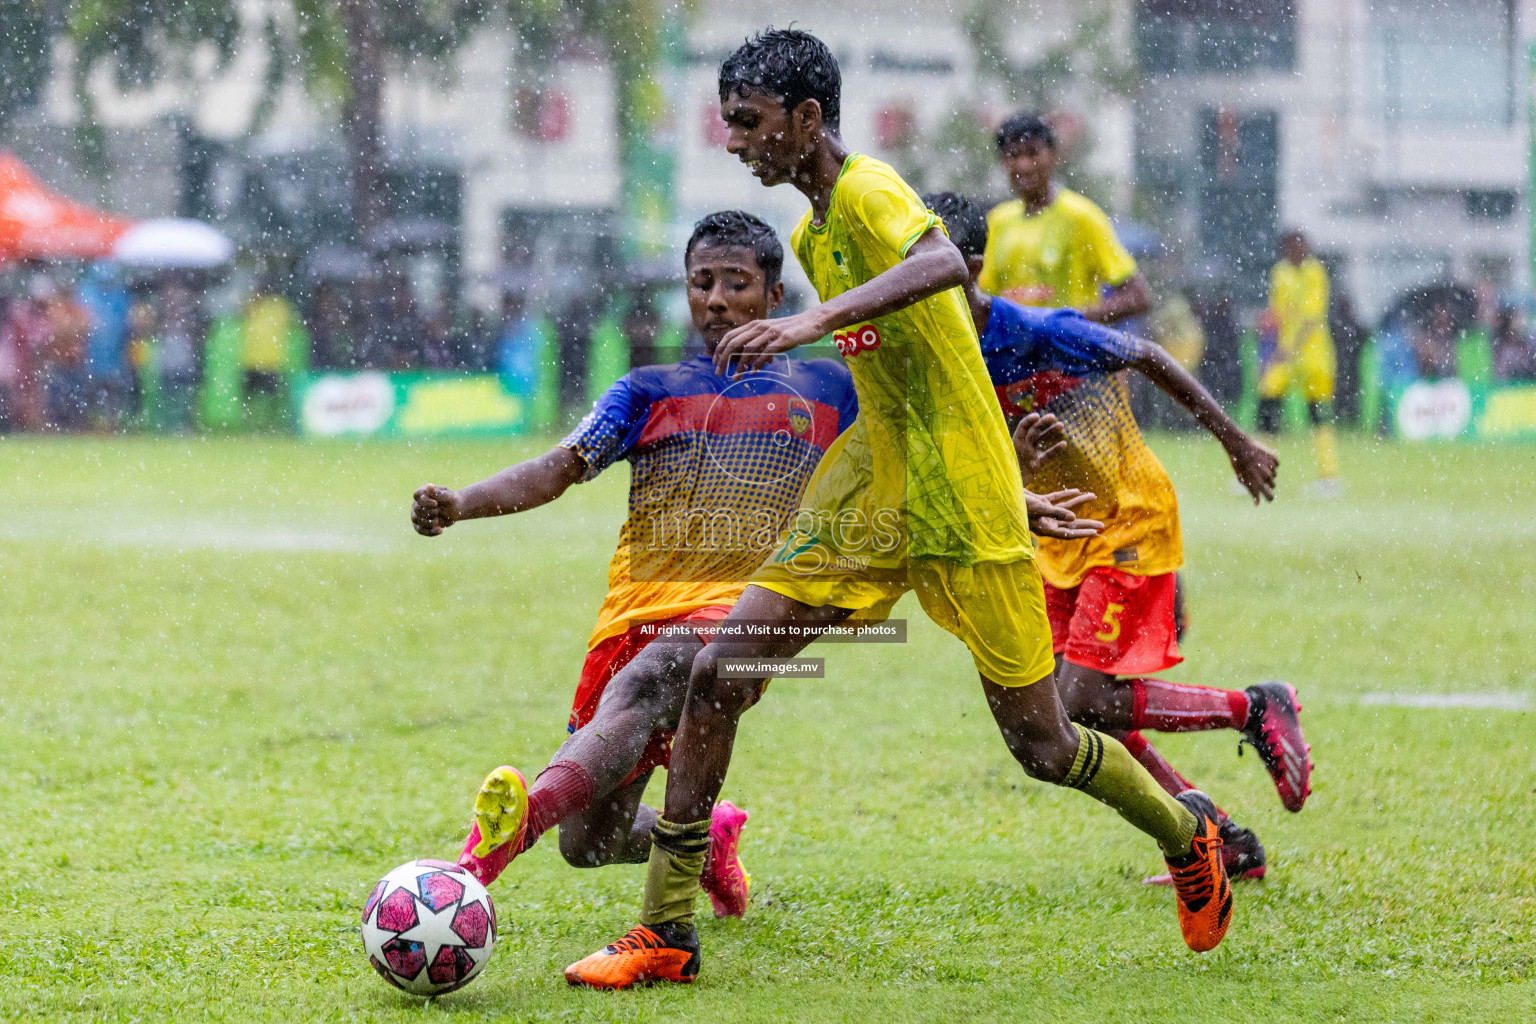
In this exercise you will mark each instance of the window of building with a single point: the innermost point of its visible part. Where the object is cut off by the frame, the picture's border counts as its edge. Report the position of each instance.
(1438, 62)
(1199, 37)
(1491, 204)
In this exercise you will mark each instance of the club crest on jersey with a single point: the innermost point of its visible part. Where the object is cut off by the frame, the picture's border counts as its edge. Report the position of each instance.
(1034, 391)
(799, 420)
(856, 339)
(837, 257)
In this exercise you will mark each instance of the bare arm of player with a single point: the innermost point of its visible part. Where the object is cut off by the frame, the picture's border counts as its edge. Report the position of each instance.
(1051, 515)
(1123, 301)
(932, 265)
(1254, 464)
(517, 488)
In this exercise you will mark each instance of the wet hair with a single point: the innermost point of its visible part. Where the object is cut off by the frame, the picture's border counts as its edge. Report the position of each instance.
(1025, 127)
(792, 65)
(964, 220)
(736, 227)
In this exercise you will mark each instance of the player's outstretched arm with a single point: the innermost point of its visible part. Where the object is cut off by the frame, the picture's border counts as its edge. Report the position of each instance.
(517, 488)
(1254, 464)
(1051, 515)
(932, 265)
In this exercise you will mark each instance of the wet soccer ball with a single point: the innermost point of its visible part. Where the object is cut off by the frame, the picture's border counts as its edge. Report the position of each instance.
(429, 927)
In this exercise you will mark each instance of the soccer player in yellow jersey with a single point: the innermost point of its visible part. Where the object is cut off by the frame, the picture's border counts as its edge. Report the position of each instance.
(1296, 349)
(922, 493)
(1052, 246)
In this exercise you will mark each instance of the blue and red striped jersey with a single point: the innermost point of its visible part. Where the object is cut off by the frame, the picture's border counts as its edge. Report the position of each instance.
(717, 466)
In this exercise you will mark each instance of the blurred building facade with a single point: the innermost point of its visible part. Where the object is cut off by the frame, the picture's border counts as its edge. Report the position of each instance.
(1392, 131)
(522, 165)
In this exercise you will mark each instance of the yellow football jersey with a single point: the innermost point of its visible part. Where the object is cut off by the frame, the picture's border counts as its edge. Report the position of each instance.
(927, 470)
(1065, 255)
(1298, 299)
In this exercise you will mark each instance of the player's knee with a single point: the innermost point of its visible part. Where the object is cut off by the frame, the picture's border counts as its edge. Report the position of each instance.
(710, 692)
(1044, 755)
(580, 851)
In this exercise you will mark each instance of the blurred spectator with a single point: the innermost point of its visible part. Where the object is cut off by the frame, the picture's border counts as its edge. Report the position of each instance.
(179, 353)
(1221, 365)
(26, 327)
(1349, 339)
(1514, 359)
(642, 329)
(331, 328)
(64, 358)
(398, 341)
(105, 301)
(1434, 344)
(517, 349)
(1175, 327)
(141, 353)
(10, 368)
(437, 339)
(267, 326)
(573, 333)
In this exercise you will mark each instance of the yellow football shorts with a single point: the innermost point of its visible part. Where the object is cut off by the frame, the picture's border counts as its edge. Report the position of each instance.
(1313, 367)
(997, 609)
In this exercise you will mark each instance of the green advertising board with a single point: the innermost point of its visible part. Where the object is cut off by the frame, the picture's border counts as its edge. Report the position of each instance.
(1457, 410)
(408, 405)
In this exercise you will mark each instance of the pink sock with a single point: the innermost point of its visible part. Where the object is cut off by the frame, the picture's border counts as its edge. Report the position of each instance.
(1175, 707)
(1166, 774)
(560, 790)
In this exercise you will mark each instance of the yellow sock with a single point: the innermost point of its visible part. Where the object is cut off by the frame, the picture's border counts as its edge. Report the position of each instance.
(1325, 444)
(672, 874)
(1106, 771)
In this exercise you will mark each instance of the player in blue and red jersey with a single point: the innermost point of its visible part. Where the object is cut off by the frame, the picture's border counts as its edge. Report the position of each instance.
(717, 466)
(1110, 597)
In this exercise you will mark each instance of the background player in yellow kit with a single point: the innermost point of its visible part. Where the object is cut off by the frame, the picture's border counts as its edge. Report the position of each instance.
(922, 493)
(1052, 246)
(1296, 351)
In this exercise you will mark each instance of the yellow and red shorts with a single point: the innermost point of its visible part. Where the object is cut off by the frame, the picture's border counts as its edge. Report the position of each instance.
(611, 655)
(1116, 622)
(997, 609)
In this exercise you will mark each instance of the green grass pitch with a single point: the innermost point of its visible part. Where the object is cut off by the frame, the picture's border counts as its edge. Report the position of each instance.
(236, 689)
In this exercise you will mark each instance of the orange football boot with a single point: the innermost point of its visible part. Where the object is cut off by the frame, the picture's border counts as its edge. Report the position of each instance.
(664, 952)
(1200, 879)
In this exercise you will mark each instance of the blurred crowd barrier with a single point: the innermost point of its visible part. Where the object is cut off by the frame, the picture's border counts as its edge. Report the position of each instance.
(86, 349)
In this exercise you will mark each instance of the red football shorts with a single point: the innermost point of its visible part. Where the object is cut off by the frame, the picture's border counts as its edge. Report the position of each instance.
(1117, 623)
(606, 660)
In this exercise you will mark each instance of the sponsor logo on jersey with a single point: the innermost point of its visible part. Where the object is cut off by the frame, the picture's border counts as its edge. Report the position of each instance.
(856, 339)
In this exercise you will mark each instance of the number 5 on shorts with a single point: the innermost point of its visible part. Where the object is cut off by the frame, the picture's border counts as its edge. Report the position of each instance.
(1111, 631)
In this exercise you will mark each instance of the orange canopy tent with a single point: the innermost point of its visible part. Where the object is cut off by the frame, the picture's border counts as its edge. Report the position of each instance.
(38, 223)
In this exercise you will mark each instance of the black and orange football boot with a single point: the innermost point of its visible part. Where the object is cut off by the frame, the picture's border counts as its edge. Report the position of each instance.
(1200, 878)
(648, 954)
(1241, 854)
(1274, 729)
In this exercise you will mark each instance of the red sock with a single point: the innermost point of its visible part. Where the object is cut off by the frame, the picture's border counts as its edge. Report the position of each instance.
(560, 790)
(1175, 707)
(1166, 774)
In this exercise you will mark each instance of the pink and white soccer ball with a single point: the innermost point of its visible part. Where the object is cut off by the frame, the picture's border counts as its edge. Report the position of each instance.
(429, 927)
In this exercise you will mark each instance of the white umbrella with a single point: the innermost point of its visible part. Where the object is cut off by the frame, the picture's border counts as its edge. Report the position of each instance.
(173, 243)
